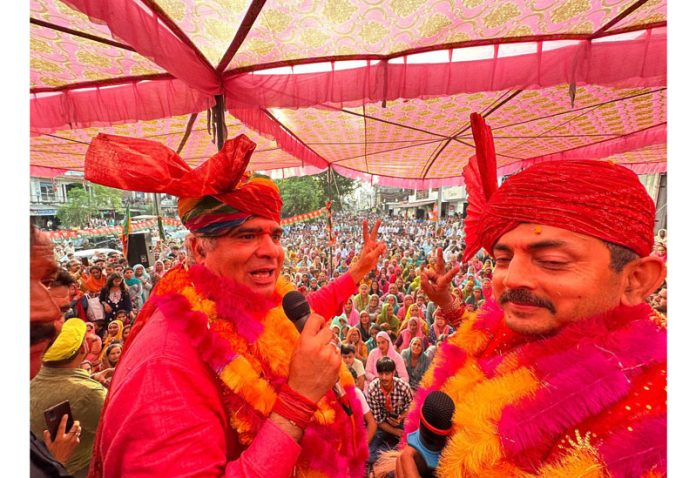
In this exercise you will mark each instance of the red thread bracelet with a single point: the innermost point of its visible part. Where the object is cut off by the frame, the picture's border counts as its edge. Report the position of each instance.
(292, 406)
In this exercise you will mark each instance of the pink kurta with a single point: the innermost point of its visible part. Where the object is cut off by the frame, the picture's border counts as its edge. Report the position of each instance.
(166, 416)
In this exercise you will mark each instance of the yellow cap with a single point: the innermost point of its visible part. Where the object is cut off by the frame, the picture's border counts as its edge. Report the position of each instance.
(68, 341)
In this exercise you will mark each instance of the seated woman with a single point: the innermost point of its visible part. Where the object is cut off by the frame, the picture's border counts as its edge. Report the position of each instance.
(393, 300)
(439, 327)
(384, 349)
(350, 314)
(387, 320)
(408, 302)
(364, 326)
(114, 333)
(373, 309)
(353, 337)
(412, 330)
(416, 361)
(414, 312)
(111, 357)
(371, 343)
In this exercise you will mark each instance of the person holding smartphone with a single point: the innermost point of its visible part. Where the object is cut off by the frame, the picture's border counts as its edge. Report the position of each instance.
(47, 455)
(62, 379)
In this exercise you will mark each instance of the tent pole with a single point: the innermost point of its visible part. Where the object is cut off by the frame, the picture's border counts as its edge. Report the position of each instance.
(219, 119)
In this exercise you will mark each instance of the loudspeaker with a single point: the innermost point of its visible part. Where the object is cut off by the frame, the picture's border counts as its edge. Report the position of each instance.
(139, 249)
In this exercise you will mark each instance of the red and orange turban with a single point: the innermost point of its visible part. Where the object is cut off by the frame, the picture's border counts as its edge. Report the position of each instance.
(213, 198)
(595, 198)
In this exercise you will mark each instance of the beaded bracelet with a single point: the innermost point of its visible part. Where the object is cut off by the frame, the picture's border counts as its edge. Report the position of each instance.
(295, 408)
(453, 313)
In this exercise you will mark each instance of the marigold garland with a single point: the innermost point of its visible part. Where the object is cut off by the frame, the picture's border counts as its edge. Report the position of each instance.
(490, 372)
(333, 444)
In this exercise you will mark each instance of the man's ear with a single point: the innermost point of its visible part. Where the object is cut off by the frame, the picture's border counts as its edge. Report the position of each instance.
(194, 245)
(642, 277)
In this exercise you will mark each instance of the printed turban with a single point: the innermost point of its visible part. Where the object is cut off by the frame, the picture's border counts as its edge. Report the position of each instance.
(215, 196)
(68, 341)
(595, 198)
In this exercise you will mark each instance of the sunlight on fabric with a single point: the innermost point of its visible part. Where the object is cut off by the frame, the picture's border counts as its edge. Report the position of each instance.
(312, 68)
(439, 56)
(473, 53)
(620, 37)
(514, 49)
(556, 44)
(283, 70)
(349, 64)
(283, 118)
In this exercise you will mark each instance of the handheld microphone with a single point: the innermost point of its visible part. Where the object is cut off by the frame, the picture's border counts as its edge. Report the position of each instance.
(433, 432)
(297, 309)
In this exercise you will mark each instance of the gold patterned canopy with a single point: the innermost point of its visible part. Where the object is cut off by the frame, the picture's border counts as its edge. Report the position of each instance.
(374, 89)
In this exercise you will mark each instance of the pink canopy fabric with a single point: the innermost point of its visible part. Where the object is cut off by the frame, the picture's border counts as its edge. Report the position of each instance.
(379, 91)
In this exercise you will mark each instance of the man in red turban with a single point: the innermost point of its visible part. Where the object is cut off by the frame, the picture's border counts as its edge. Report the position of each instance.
(563, 372)
(214, 379)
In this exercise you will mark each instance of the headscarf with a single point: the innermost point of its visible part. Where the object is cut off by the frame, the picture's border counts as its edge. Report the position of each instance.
(93, 285)
(391, 351)
(145, 274)
(373, 310)
(383, 313)
(360, 347)
(353, 318)
(105, 354)
(111, 338)
(336, 322)
(68, 342)
(396, 302)
(421, 364)
(216, 196)
(132, 281)
(406, 333)
(594, 198)
(414, 310)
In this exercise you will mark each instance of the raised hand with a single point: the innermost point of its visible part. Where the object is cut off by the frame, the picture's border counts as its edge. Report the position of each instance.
(369, 255)
(436, 282)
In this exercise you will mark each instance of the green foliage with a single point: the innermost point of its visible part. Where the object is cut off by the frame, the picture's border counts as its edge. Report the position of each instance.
(83, 205)
(308, 193)
(300, 195)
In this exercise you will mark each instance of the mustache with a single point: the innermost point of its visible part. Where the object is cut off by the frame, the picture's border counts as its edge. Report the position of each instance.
(525, 297)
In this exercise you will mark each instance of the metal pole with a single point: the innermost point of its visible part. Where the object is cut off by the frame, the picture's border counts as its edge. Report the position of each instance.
(439, 204)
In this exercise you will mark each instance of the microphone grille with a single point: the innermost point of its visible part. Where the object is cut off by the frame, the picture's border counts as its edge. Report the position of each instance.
(438, 409)
(295, 305)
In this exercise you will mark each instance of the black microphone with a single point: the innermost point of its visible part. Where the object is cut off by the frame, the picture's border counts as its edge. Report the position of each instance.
(433, 432)
(297, 309)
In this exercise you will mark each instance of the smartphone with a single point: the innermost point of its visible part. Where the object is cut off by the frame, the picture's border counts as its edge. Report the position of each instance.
(85, 261)
(54, 415)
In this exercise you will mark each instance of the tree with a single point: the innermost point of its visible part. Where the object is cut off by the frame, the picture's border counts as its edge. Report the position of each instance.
(84, 204)
(77, 210)
(336, 188)
(309, 193)
(300, 195)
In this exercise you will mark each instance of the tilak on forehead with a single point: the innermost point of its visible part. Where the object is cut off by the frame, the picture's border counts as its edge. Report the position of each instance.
(590, 197)
(214, 197)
